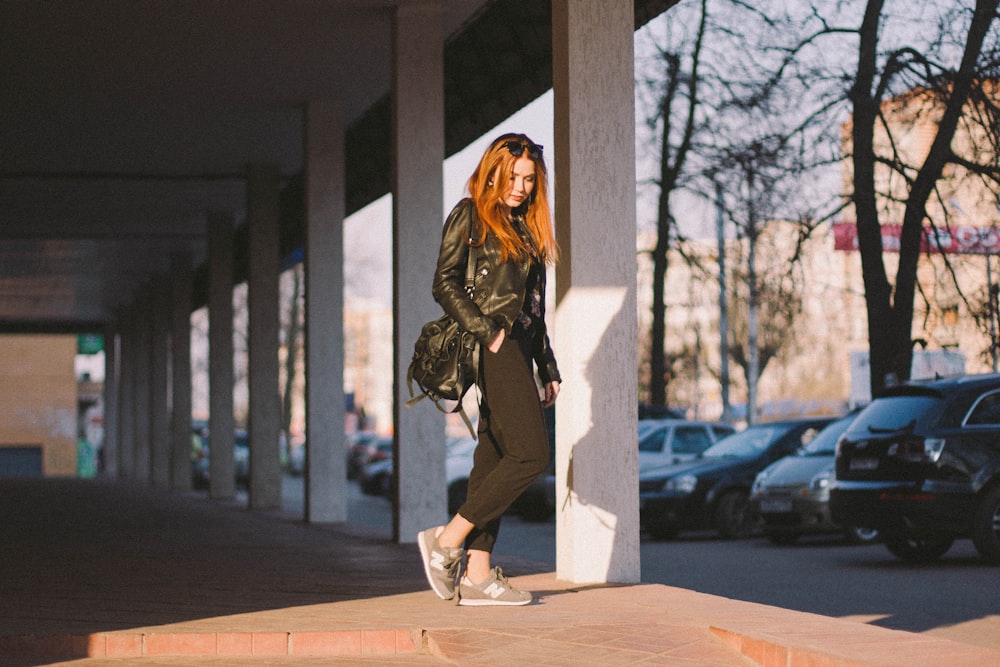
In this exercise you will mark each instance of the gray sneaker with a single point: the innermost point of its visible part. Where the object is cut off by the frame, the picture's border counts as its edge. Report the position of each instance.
(494, 591)
(441, 564)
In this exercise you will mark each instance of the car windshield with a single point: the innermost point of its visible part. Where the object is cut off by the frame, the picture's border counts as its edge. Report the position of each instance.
(825, 442)
(651, 438)
(747, 443)
(892, 414)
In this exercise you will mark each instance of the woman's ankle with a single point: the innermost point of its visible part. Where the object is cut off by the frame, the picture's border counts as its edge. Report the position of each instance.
(477, 566)
(445, 539)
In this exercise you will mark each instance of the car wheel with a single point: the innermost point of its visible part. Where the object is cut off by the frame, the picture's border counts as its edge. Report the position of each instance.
(861, 535)
(457, 492)
(917, 549)
(986, 527)
(783, 539)
(733, 518)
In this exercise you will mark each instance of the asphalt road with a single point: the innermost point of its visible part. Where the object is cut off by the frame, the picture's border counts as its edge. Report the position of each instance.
(957, 597)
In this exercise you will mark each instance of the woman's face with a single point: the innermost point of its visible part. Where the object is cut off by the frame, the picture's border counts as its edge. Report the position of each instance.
(522, 182)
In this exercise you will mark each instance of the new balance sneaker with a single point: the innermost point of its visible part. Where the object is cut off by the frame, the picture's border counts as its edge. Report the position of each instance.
(441, 564)
(494, 591)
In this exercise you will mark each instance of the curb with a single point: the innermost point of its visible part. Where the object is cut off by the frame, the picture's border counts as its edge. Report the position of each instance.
(232, 644)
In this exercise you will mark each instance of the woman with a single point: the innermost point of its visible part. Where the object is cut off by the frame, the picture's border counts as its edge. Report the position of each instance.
(512, 230)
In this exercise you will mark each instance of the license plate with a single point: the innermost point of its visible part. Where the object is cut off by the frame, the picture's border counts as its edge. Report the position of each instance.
(864, 464)
(776, 505)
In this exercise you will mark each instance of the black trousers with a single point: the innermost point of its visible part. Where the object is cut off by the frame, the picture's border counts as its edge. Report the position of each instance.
(513, 444)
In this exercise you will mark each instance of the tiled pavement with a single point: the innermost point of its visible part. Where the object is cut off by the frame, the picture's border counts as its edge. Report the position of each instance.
(101, 573)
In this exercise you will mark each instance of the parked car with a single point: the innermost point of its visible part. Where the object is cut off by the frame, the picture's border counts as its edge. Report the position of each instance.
(921, 463)
(713, 491)
(376, 478)
(363, 448)
(201, 467)
(200, 477)
(241, 457)
(792, 495)
(665, 441)
(662, 440)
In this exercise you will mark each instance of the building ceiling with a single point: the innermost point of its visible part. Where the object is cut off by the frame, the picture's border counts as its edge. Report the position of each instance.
(123, 121)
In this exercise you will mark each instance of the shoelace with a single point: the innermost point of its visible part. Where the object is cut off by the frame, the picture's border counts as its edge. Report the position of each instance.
(501, 578)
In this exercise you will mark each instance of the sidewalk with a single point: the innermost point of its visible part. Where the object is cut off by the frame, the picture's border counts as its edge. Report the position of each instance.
(101, 573)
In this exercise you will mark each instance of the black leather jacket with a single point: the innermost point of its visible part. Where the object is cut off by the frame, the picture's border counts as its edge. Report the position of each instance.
(499, 290)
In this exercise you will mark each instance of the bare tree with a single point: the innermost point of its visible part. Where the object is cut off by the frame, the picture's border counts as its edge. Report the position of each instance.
(765, 299)
(677, 118)
(726, 74)
(768, 292)
(942, 91)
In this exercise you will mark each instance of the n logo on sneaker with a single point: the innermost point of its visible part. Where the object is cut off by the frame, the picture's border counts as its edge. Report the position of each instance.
(437, 560)
(494, 590)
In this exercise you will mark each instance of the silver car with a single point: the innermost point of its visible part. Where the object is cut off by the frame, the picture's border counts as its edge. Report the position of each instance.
(668, 441)
(792, 495)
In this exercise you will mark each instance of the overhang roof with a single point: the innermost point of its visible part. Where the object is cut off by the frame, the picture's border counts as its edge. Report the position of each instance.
(123, 121)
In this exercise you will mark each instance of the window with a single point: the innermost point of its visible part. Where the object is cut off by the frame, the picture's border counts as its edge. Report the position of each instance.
(652, 440)
(690, 440)
(985, 411)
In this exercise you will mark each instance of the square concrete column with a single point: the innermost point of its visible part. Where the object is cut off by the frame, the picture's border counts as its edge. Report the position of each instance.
(142, 460)
(417, 161)
(325, 474)
(597, 522)
(180, 370)
(263, 183)
(221, 427)
(159, 410)
(126, 418)
(110, 448)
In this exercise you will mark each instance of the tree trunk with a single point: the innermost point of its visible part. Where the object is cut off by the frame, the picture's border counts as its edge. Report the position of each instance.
(877, 289)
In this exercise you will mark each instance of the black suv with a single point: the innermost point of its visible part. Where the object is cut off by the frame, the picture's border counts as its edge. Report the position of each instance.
(921, 463)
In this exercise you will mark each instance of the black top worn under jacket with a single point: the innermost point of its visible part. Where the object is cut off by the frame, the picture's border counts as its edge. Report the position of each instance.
(499, 293)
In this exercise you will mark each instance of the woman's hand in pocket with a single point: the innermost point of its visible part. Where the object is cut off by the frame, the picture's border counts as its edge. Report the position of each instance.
(497, 342)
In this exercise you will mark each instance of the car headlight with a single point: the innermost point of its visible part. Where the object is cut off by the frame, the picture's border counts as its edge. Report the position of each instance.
(758, 483)
(681, 484)
(821, 481)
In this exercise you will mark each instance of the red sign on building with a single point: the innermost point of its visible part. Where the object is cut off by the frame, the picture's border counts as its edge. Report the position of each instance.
(963, 240)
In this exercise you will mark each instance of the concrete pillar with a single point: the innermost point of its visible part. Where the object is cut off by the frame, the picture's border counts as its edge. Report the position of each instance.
(417, 159)
(126, 417)
(263, 183)
(141, 463)
(597, 525)
(130, 374)
(325, 475)
(181, 279)
(220, 358)
(159, 409)
(112, 401)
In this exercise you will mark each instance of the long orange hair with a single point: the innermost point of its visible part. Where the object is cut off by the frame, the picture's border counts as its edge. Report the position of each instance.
(487, 187)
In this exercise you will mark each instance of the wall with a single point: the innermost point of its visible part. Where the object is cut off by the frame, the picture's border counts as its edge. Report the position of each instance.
(38, 402)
